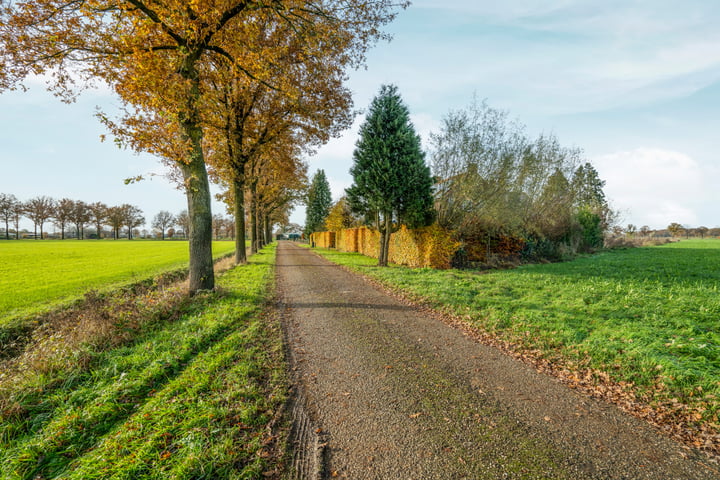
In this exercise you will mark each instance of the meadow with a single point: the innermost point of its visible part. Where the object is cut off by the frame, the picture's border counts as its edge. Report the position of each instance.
(35, 275)
(645, 318)
(194, 391)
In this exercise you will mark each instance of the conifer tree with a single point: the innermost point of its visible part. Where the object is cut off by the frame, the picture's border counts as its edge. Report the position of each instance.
(392, 184)
(319, 201)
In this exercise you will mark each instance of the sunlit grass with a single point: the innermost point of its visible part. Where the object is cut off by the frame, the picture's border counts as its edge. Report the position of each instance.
(648, 316)
(189, 398)
(35, 274)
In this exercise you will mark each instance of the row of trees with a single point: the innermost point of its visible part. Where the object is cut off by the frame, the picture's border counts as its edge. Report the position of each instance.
(233, 90)
(673, 230)
(67, 213)
(489, 181)
(392, 184)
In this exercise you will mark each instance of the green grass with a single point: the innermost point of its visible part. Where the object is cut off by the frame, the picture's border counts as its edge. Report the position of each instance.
(189, 398)
(35, 275)
(648, 316)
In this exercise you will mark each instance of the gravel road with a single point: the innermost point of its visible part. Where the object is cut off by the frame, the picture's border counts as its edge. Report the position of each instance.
(398, 394)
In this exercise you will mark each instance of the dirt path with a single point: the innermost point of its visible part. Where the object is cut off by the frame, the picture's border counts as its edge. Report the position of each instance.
(400, 395)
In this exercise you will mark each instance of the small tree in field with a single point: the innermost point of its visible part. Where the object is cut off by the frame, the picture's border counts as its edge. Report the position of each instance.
(132, 218)
(115, 218)
(39, 210)
(162, 221)
(8, 205)
(61, 213)
(97, 215)
(392, 184)
(80, 217)
(675, 229)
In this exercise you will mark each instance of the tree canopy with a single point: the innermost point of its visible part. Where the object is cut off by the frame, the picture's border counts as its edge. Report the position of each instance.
(493, 181)
(162, 58)
(391, 182)
(319, 201)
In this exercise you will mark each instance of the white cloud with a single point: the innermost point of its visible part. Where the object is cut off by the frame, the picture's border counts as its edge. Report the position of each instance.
(652, 186)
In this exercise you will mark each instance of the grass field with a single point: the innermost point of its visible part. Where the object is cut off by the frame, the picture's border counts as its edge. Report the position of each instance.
(35, 274)
(645, 316)
(187, 397)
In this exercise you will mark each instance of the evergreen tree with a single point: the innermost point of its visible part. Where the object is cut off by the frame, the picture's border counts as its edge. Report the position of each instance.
(319, 201)
(594, 214)
(392, 184)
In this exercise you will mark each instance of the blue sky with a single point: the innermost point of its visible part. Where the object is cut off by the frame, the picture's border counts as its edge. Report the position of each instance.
(635, 84)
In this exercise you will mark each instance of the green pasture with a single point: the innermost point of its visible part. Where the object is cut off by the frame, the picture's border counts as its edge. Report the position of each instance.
(649, 316)
(192, 396)
(38, 273)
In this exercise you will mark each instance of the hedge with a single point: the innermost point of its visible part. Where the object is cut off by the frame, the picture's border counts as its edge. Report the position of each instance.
(424, 247)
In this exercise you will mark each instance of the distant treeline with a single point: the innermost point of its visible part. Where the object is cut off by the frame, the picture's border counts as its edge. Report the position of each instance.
(78, 219)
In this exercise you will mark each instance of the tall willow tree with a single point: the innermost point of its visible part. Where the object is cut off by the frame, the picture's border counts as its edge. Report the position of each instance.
(392, 184)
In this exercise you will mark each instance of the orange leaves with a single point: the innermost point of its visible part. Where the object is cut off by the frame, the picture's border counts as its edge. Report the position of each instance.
(425, 247)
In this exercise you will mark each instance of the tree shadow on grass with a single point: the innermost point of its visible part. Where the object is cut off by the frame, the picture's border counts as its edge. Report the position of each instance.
(74, 404)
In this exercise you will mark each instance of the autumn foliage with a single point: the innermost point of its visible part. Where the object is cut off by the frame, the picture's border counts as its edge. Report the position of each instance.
(430, 246)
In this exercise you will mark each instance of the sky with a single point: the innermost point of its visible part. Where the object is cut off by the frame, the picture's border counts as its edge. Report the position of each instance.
(634, 83)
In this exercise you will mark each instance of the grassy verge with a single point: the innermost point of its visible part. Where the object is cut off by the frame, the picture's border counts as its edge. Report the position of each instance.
(187, 398)
(40, 275)
(642, 321)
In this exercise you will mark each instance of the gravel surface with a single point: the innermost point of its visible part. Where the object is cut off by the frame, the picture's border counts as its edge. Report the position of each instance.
(397, 394)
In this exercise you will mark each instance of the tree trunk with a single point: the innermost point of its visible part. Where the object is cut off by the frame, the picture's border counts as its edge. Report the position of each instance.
(385, 231)
(197, 186)
(200, 235)
(239, 212)
(268, 230)
(261, 230)
(253, 219)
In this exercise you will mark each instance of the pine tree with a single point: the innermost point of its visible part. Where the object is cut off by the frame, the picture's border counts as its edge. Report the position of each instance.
(319, 201)
(392, 184)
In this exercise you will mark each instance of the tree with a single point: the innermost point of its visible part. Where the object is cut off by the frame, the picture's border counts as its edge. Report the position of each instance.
(18, 210)
(158, 56)
(8, 203)
(115, 216)
(494, 181)
(340, 216)
(702, 230)
(183, 221)
(319, 200)
(62, 213)
(675, 229)
(132, 217)
(39, 210)
(553, 211)
(162, 221)
(645, 230)
(392, 184)
(97, 215)
(80, 216)
(631, 229)
(218, 225)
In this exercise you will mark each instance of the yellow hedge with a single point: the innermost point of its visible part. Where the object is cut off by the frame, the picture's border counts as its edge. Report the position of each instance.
(425, 247)
(323, 239)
